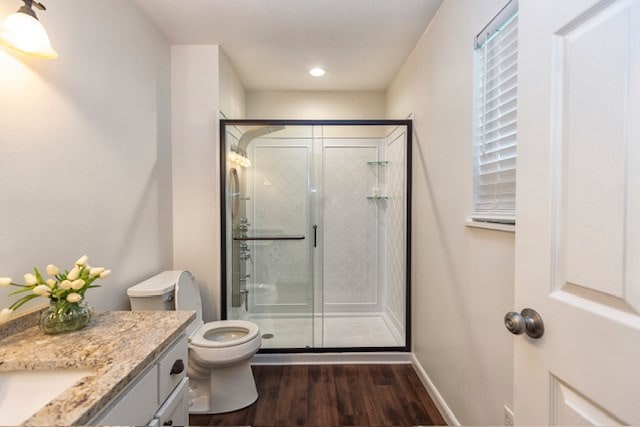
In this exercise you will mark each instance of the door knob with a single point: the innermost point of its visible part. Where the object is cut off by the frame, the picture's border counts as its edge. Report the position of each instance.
(528, 321)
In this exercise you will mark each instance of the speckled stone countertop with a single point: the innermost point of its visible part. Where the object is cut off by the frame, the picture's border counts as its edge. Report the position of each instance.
(117, 346)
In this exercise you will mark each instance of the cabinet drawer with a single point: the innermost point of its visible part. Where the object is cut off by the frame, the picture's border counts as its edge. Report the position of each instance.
(137, 405)
(173, 359)
(175, 411)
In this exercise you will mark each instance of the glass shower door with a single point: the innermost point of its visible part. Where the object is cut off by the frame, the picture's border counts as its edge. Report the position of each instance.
(316, 228)
(271, 233)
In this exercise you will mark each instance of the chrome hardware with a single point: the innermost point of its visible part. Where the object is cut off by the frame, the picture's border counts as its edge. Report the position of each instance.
(244, 224)
(528, 321)
(245, 293)
(243, 278)
(245, 252)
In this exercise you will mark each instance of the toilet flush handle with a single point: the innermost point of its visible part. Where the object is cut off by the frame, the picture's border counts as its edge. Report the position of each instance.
(177, 368)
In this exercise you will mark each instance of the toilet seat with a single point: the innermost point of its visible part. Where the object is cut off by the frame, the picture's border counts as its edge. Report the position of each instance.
(224, 333)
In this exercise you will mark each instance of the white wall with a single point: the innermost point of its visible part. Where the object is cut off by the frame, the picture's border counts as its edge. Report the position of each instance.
(203, 83)
(232, 92)
(85, 143)
(196, 182)
(315, 105)
(462, 277)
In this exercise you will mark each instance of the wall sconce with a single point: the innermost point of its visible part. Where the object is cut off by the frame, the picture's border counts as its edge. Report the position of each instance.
(22, 31)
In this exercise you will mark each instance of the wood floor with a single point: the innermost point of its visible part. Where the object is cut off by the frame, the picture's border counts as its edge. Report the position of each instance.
(333, 395)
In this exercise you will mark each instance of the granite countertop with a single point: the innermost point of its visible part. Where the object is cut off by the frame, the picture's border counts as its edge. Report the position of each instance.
(117, 346)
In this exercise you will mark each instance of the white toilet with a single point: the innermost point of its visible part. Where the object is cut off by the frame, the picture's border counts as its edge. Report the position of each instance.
(220, 376)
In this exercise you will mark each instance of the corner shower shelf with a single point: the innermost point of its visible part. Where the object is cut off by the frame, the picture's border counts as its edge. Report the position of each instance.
(377, 197)
(379, 163)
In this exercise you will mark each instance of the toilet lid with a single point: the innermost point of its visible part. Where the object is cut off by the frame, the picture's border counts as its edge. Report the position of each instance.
(187, 296)
(224, 333)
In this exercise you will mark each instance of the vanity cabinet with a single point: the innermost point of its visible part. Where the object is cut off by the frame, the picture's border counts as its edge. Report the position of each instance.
(158, 396)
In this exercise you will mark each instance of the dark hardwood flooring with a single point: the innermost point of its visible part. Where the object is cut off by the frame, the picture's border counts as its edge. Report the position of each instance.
(333, 395)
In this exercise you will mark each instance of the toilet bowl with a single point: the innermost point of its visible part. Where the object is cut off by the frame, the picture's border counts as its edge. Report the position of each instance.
(219, 369)
(224, 343)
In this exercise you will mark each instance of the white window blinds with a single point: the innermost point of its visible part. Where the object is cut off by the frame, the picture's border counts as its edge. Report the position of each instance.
(495, 118)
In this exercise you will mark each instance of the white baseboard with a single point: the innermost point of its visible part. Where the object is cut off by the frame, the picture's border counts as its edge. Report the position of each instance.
(330, 358)
(437, 398)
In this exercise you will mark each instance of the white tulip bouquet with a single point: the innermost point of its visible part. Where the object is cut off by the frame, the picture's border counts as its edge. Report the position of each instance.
(62, 288)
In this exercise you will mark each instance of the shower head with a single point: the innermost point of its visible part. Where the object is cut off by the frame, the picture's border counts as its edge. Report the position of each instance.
(254, 133)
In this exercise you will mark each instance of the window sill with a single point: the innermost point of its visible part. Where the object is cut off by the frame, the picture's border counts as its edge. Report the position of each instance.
(509, 228)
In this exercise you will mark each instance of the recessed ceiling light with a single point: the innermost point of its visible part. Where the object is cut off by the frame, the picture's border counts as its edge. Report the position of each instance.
(317, 72)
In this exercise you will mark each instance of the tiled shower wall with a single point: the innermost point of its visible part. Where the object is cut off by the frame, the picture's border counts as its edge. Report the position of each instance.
(350, 231)
(280, 205)
(395, 220)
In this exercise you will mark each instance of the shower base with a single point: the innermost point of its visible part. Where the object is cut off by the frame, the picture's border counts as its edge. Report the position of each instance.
(331, 331)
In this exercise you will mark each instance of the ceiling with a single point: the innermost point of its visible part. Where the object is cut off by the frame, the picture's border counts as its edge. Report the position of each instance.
(273, 43)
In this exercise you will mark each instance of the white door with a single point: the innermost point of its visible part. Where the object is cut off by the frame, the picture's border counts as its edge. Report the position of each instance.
(578, 223)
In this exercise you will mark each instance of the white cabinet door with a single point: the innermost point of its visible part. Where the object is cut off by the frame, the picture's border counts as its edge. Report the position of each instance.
(578, 224)
(137, 405)
(175, 410)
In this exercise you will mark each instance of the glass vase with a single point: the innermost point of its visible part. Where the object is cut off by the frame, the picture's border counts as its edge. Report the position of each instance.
(62, 317)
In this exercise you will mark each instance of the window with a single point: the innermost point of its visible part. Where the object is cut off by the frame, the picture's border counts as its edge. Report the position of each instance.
(495, 118)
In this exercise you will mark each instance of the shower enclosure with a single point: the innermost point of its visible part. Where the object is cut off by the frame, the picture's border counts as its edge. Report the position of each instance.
(316, 232)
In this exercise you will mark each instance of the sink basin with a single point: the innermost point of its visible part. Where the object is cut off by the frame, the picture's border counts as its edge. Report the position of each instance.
(23, 393)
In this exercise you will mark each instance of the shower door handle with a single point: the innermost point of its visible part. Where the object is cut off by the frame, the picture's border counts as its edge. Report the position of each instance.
(315, 236)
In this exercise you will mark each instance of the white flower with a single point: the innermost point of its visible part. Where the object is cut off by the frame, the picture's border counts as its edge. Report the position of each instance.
(5, 314)
(94, 272)
(30, 279)
(52, 270)
(42, 290)
(74, 297)
(77, 284)
(82, 260)
(5, 281)
(51, 283)
(73, 274)
(65, 284)
(105, 273)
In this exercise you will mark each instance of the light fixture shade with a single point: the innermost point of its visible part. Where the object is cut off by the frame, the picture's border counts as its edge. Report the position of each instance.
(26, 34)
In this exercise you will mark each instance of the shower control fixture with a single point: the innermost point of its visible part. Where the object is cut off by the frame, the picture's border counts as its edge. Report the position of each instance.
(245, 256)
(244, 224)
(244, 277)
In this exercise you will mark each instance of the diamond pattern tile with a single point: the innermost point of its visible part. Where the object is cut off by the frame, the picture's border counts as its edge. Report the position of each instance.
(350, 232)
(281, 203)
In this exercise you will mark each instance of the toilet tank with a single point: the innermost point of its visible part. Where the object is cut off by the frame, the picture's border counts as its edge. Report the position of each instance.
(154, 294)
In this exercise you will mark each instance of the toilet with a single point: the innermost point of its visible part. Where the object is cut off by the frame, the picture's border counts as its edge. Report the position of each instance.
(220, 376)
